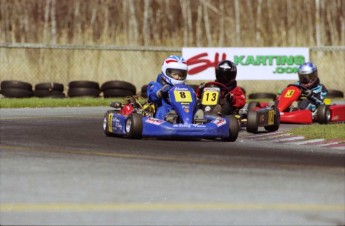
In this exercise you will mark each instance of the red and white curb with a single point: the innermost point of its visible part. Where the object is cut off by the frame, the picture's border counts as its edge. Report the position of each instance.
(281, 137)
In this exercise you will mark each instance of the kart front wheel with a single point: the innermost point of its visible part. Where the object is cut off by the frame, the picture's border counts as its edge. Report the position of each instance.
(252, 122)
(134, 126)
(233, 128)
(323, 114)
(276, 124)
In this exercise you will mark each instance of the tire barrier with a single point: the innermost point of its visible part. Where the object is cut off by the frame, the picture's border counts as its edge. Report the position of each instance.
(16, 89)
(262, 96)
(83, 89)
(333, 93)
(143, 91)
(49, 89)
(116, 88)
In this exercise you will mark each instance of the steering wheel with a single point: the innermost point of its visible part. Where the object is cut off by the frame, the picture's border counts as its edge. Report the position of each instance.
(223, 88)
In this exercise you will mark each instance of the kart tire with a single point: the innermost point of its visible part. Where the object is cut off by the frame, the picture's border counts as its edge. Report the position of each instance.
(106, 124)
(252, 122)
(49, 86)
(134, 126)
(117, 93)
(323, 114)
(83, 84)
(17, 93)
(234, 129)
(332, 93)
(9, 84)
(118, 85)
(252, 105)
(276, 124)
(262, 96)
(83, 92)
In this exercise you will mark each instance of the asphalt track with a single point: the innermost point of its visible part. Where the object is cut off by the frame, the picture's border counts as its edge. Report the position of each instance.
(58, 168)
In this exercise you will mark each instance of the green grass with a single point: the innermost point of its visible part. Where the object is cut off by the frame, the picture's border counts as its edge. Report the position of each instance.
(54, 102)
(329, 131)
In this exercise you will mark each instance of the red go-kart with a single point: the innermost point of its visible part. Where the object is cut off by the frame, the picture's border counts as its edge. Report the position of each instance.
(290, 113)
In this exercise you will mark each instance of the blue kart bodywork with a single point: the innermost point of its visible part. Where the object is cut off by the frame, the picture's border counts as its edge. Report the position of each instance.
(183, 124)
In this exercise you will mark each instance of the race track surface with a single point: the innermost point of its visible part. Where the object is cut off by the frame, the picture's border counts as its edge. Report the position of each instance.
(57, 167)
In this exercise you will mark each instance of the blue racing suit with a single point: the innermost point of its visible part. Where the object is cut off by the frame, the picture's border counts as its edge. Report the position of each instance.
(162, 104)
(316, 98)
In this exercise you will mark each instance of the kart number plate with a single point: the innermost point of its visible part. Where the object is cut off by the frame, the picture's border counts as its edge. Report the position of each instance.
(110, 122)
(289, 93)
(210, 97)
(270, 120)
(182, 96)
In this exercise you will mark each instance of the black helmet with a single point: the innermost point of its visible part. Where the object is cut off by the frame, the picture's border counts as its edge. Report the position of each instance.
(226, 72)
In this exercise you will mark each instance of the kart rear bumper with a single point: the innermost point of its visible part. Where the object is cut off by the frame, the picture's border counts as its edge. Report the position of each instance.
(218, 128)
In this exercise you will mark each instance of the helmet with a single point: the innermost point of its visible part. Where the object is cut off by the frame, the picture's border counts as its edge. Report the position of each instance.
(307, 75)
(174, 69)
(226, 72)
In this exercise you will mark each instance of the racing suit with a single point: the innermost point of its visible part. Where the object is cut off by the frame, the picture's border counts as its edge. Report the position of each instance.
(316, 97)
(162, 104)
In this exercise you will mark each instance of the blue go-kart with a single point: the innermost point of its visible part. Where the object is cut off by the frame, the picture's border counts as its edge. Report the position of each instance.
(136, 120)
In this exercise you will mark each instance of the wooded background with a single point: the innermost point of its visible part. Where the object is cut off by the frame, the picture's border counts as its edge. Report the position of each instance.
(164, 24)
(244, 23)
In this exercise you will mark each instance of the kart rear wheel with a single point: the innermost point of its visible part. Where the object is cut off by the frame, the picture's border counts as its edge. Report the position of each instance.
(276, 124)
(252, 122)
(323, 114)
(233, 129)
(252, 105)
(106, 122)
(134, 126)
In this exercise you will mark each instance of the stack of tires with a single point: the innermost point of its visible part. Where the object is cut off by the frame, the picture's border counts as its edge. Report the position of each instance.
(255, 96)
(82, 88)
(16, 89)
(49, 89)
(118, 88)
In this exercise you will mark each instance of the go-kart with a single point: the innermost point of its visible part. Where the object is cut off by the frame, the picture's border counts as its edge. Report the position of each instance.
(252, 117)
(136, 120)
(290, 113)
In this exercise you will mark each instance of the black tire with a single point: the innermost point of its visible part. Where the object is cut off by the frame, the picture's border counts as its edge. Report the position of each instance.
(276, 125)
(117, 93)
(252, 122)
(49, 93)
(262, 96)
(17, 93)
(143, 92)
(134, 126)
(83, 84)
(252, 105)
(8, 84)
(323, 114)
(332, 93)
(106, 124)
(49, 86)
(83, 92)
(118, 85)
(234, 129)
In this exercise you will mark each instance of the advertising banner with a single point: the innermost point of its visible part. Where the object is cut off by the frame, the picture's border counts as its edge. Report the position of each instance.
(252, 63)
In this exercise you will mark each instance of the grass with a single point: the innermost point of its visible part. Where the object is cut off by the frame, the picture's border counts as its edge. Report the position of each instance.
(329, 131)
(55, 102)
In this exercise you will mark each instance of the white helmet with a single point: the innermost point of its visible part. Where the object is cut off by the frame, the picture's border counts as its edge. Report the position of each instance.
(174, 69)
